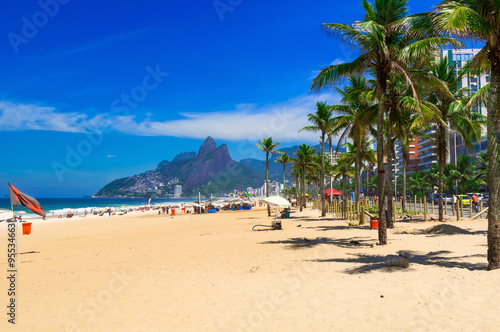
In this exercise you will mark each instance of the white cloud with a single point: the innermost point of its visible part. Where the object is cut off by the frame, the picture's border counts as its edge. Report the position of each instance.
(282, 121)
(337, 62)
(16, 117)
(315, 73)
(109, 156)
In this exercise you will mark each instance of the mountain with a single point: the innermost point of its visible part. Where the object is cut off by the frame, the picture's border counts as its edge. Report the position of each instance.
(210, 171)
(180, 157)
(275, 169)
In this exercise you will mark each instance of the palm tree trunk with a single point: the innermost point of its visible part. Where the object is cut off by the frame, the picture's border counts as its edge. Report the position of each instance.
(493, 165)
(441, 146)
(297, 190)
(403, 204)
(302, 188)
(267, 183)
(331, 176)
(382, 227)
(284, 187)
(344, 191)
(322, 184)
(390, 222)
(357, 184)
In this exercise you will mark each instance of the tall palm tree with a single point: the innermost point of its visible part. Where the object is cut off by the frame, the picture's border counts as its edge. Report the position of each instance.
(284, 160)
(407, 126)
(480, 20)
(268, 147)
(304, 161)
(361, 155)
(347, 122)
(450, 104)
(322, 122)
(388, 41)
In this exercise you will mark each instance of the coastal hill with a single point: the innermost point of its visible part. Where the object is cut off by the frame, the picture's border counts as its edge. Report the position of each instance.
(275, 169)
(210, 171)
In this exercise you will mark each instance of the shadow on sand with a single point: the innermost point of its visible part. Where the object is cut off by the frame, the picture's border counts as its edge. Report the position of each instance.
(434, 258)
(337, 228)
(304, 243)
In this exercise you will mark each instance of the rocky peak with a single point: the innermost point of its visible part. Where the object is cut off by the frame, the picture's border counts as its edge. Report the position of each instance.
(163, 164)
(184, 156)
(208, 146)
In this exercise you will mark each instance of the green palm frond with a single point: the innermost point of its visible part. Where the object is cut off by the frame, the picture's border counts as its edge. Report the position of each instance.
(328, 76)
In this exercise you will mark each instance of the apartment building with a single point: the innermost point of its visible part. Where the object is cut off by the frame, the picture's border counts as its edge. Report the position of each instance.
(426, 155)
(415, 150)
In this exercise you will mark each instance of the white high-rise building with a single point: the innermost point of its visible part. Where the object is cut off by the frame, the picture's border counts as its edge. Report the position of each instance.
(459, 58)
(177, 191)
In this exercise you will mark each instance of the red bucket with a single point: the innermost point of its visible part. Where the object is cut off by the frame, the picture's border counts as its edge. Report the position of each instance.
(26, 228)
(374, 222)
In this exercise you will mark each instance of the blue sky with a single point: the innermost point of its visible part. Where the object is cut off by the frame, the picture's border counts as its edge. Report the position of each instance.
(123, 85)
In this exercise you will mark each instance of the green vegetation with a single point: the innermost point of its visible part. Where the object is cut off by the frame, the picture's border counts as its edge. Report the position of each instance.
(412, 92)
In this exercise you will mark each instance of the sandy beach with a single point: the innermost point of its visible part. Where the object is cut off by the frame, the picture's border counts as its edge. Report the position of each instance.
(145, 272)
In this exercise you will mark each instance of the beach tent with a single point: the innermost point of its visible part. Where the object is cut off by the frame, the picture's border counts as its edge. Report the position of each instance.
(277, 201)
(334, 192)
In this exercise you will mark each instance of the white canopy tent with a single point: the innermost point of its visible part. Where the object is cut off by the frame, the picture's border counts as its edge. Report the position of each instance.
(278, 201)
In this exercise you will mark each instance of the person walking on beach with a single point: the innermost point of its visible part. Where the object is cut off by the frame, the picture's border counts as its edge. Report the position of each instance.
(474, 201)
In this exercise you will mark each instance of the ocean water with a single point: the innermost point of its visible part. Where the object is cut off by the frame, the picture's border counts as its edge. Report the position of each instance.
(59, 205)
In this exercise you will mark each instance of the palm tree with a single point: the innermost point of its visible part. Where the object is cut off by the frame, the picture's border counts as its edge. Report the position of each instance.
(432, 176)
(449, 176)
(304, 161)
(373, 183)
(322, 122)
(268, 147)
(450, 104)
(388, 41)
(406, 129)
(466, 173)
(284, 160)
(481, 165)
(348, 123)
(417, 182)
(479, 20)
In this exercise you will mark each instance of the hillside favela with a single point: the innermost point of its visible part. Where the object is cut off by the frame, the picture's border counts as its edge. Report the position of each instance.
(250, 166)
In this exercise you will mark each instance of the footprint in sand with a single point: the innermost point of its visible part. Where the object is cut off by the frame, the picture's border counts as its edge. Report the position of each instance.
(253, 269)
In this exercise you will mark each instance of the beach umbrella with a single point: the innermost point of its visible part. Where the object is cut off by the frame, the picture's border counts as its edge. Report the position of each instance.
(333, 192)
(277, 201)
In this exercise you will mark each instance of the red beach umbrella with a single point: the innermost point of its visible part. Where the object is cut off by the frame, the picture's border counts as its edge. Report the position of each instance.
(334, 192)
